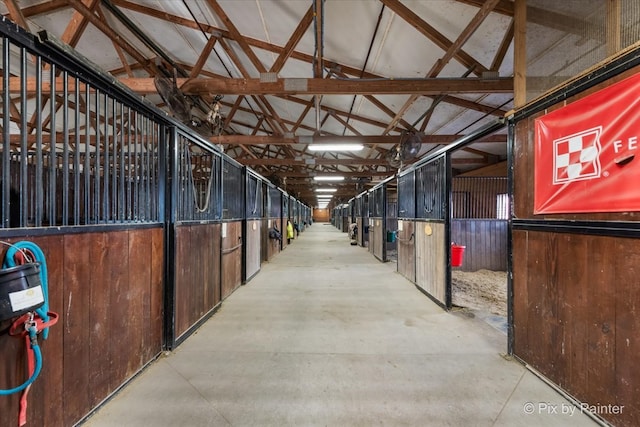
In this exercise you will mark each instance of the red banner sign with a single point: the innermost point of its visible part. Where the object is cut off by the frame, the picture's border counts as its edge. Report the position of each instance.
(585, 153)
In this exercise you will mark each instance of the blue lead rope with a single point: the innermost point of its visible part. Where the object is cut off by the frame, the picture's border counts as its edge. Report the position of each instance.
(38, 364)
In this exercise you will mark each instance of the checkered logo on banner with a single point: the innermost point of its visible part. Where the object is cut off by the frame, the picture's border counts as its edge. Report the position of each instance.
(576, 157)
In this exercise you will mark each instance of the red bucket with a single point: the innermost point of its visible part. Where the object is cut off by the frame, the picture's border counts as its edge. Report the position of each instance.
(457, 255)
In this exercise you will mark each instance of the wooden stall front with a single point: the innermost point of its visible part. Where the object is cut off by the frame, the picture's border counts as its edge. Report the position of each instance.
(197, 273)
(576, 297)
(407, 249)
(231, 263)
(431, 233)
(431, 259)
(106, 287)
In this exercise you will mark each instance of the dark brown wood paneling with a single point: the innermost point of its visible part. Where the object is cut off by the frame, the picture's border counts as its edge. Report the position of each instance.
(231, 257)
(156, 292)
(625, 273)
(97, 343)
(197, 270)
(576, 296)
(75, 315)
(407, 249)
(485, 242)
(576, 317)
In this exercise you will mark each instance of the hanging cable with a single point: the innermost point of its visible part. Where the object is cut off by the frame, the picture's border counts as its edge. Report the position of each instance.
(364, 66)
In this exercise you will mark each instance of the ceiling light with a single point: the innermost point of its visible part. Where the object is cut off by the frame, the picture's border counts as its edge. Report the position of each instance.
(335, 147)
(329, 178)
(324, 197)
(326, 190)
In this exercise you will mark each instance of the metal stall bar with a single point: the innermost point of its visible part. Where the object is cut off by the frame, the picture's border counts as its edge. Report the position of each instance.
(6, 142)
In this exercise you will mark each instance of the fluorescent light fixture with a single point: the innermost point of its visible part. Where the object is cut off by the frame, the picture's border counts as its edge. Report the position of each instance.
(324, 198)
(328, 178)
(326, 190)
(335, 147)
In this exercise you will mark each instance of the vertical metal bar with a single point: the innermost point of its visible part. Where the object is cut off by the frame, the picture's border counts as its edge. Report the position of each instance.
(128, 198)
(76, 157)
(6, 140)
(157, 167)
(65, 149)
(97, 169)
(24, 156)
(170, 195)
(143, 172)
(86, 169)
(149, 176)
(121, 171)
(39, 197)
(137, 169)
(113, 217)
(510, 191)
(446, 190)
(106, 181)
(51, 193)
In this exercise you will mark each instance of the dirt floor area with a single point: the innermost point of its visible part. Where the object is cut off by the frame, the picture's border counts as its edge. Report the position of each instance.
(483, 290)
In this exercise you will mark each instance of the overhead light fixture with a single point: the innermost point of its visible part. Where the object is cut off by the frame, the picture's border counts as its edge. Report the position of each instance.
(335, 147)
(324, 197)
(329, 178)
(326, 190)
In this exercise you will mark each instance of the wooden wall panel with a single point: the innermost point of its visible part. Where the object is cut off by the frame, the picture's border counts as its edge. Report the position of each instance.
(231, 257)
(485, 242)
(431, 259)
(197, 273)
(576, 304)
(321, 215)
(407, 249)
(95, 281)
(576, 295)
(253, 242)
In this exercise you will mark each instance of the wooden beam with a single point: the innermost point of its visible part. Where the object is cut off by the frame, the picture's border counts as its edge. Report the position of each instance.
(432, 34)
(324, 139)
(235, 35)
(15, 13)
(520, 53)
(312, 162)
(427, 86)
(295, 38)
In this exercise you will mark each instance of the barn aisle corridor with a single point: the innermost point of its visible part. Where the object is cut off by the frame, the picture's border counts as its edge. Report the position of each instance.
(327, 335)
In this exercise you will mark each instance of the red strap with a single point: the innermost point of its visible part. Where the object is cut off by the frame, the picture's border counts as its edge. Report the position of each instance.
(31, 364)
(18, 329)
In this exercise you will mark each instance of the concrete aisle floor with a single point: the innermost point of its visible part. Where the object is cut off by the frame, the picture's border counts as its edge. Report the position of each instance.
(326, 335)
